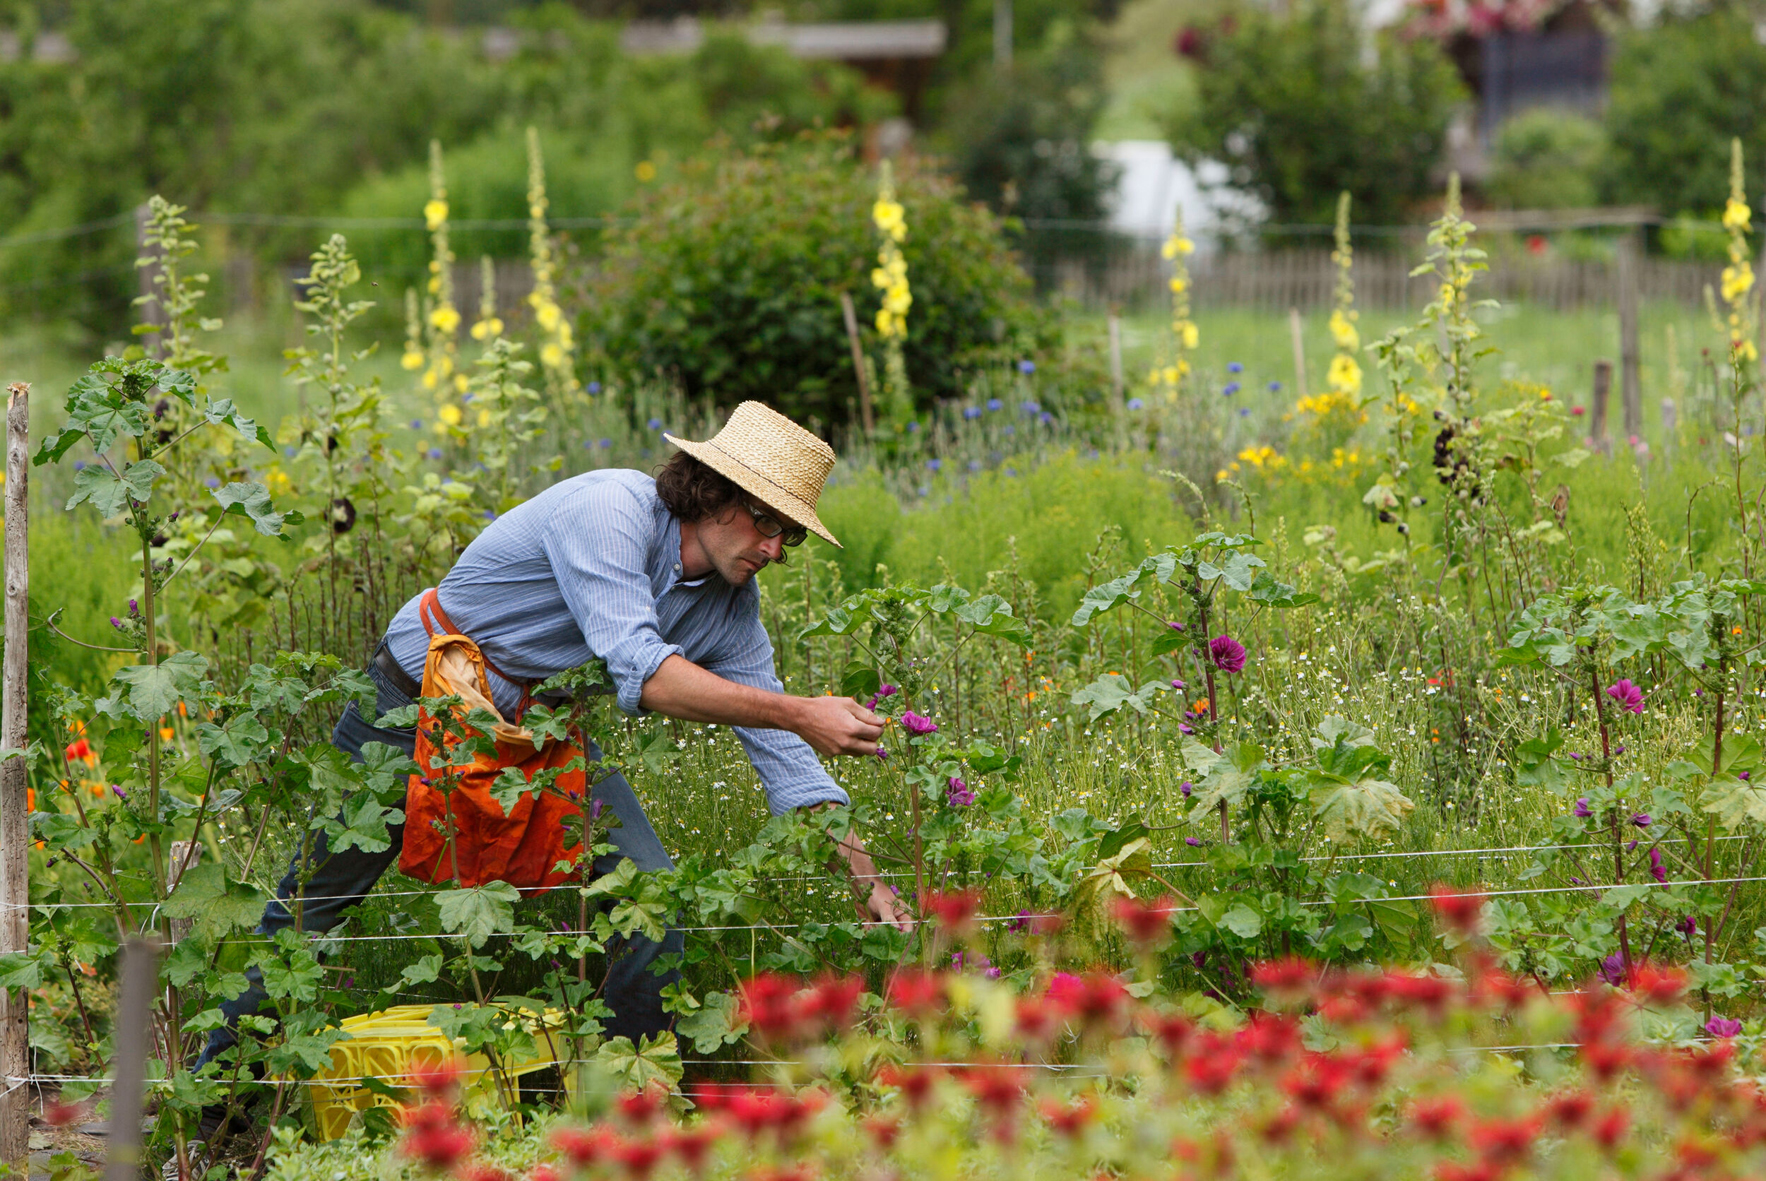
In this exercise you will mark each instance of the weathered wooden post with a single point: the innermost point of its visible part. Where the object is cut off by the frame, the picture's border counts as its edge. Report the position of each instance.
(1630, 376)
(129, 1063)
(1597, 411)
(1299, 353)
(858, 362)
(15, 836)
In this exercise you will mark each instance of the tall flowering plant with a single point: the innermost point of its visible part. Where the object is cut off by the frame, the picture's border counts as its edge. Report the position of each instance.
(442, 377)
(1741, 302)
(890, 277)
(1170, 376)
(558, 343)
(1337, 411)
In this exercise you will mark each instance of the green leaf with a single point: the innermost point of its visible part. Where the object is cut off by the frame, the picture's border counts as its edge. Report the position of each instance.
(240, 741)
(715, 1024)
(253, 501)
(218, 906)
(156, 689)
(653, 1062)
(991, 615)
(222, 410)
(478, 912)
(1736, 801)
(1364, 807)
(1271, 592)
(1242, 921)
(860, 680)
(508, 788)
(21, 969)
(109, 492)
(1110, 693)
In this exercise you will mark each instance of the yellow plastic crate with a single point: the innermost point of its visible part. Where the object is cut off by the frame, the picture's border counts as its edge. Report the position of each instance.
(395, 1044)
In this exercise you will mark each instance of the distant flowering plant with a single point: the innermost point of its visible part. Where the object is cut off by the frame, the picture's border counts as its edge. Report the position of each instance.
(1627, 695)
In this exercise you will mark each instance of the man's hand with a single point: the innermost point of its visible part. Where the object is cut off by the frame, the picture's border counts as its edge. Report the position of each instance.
(831, 725)
(838, 726)
(875, 901)
(885, 907)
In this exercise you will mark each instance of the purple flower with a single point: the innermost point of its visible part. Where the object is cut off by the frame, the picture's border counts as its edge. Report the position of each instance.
(887, 691)
(1583, 811)
(1656, 869)
(992, 973)
(1275, 387)
(882, 754)
(1135, 403)
(1743, 774)
(914, 427)
(1030, 407)
(134, 607)
(1185, 788)
(994, 404)
(1232, 387)
(971, 412)
(1027, 367)
(434, 453)
(1612, 970)
(1234, 367)
(1723, 1027)
(212, 482)
(1193, 842)
(913, 723)
(1183, 729)
(604, 444)
(1019, 923)
(1627, 695)
(1178, 685)
(595, 807)
(1575, 754)
(116, 789)
(115, 622)
(416, 424)
(654, 424)
(1227, 653)
(958, 793)
(594, 387)
(935, 463)
(1630, 846)
(1175, 625)
(1687, 926)
(1640, 819)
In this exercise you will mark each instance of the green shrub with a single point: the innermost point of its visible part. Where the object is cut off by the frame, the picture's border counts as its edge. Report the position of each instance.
(1300, 114)
(1547, 159)
(728, 282)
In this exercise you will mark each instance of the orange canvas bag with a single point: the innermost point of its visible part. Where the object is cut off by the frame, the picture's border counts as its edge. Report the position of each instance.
(522, 847)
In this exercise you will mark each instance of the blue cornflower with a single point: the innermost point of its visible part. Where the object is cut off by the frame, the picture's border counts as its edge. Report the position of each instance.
(1029, 407)
(1275, 387)
(914, 427)
(1027, 367)
(971, 412)
(935, 463)
(435, 453)
(594, 387)
(994, 403)
(605, 444)
(1135, 404)
(655, 424)
(416, 424)
(1244, 412)
(1232, 387)
(1234, 367)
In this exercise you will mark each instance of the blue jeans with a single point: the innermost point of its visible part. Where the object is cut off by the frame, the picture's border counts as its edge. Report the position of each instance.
(631, 990)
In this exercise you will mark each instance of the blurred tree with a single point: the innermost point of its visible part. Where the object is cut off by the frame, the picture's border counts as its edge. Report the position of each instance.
(1304, 104)
(1680, 92)
(1547, 158)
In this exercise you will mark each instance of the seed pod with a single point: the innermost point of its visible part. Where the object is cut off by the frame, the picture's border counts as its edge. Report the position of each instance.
(343, 515)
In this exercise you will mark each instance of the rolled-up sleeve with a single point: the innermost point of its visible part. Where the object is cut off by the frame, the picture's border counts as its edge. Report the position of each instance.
(597, 545)
(787, 766)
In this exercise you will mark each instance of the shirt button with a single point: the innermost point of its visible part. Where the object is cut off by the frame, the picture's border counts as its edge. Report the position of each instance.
(677, 567)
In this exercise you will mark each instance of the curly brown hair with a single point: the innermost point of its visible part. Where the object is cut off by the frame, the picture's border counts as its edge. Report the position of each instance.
(694, 491)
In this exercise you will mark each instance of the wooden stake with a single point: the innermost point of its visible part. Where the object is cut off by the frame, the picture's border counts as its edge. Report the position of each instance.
(129, 1064)
(15, 835)
(1116, 362)
(1630, 376)
(1597, 429)
(1299, 353)
(858, 362)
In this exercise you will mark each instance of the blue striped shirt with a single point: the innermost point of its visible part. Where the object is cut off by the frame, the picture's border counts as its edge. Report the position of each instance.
(592, 567)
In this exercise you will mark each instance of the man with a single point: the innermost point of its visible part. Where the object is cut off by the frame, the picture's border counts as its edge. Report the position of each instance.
(655, 576)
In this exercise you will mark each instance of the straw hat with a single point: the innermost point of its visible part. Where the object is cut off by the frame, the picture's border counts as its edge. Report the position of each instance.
(769, 455)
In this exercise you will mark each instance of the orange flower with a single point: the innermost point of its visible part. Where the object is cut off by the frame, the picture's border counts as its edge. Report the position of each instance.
(166, 733)
(97, 789)
(182, 712)
(1201, 705)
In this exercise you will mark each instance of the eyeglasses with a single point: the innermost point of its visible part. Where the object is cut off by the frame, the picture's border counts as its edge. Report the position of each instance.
(770, 526)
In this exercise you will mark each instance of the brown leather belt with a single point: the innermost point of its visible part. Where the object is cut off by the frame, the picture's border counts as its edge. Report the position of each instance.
(396, 676)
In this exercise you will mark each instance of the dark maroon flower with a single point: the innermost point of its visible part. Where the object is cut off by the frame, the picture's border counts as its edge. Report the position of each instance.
(1227, 653)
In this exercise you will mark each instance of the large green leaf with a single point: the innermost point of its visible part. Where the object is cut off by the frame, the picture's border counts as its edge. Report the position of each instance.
(478, 912)
(1736, 801)
(156, 689)
(110, 492)
(1110, 693)
(218, 906)
(714, 1025)
(1364, 807)
(653, 1062)
(253, 501)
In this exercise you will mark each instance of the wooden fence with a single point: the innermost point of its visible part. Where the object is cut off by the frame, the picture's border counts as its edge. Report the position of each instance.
(1305, 279)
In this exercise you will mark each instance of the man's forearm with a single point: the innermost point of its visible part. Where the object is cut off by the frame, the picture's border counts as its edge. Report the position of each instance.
(681, 689)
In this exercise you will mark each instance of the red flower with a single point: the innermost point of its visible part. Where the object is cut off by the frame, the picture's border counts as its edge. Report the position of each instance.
(1269, 1036)
(1459, 909)
(1570, 1109)
(1427, 992)
(1095, 998)
(1372, 1065)
(1504, 1142)
(1605, 1059)
(1037, 1019)
(769, 1006)
(955, 911)
(1068, 1121)
(914, 1082)
(1478, 1171)
(1211, 1068)
(1315, 1080)
(1172, 1030)
(883, 1130)
(832, 999)
(1661, 986)
(1610, 1128)
(1285, 981)
(915, 992)
(1436, 1118)
(543, 1173)
(585, 1146)
(997, 1088)
(693, 1145)
(638, 1157)
(1147, 923)
(78, 749)
(436, 1079)
(432, 1137)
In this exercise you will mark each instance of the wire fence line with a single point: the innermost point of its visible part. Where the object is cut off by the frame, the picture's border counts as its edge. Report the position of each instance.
(537, 890)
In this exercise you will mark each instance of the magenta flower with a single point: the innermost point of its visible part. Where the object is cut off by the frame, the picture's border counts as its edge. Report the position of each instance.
(958, 793)
(1656, 869)
(1612, 970)
(1019, 923)
(1641, 819)
(1627, 695)
(1193, 842)
(882, 754)
(1178, 685)
(1227, 653)
(1583, 811)
(913, 723)
(1687, 925)
(1723, 1027)
(1185, 788)
(887, 691)
(595, 807)
(1176, 625)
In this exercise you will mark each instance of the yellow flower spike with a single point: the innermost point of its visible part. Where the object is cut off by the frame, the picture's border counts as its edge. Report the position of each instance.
(449, 414)
(431, 379)
(412, 361)
(1191, 335)
(435, 212)
(551, 355)
(1178, 285)
(1736, 216)
(445, 319)
(484, 418)
(460, 383)
(548, 316)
